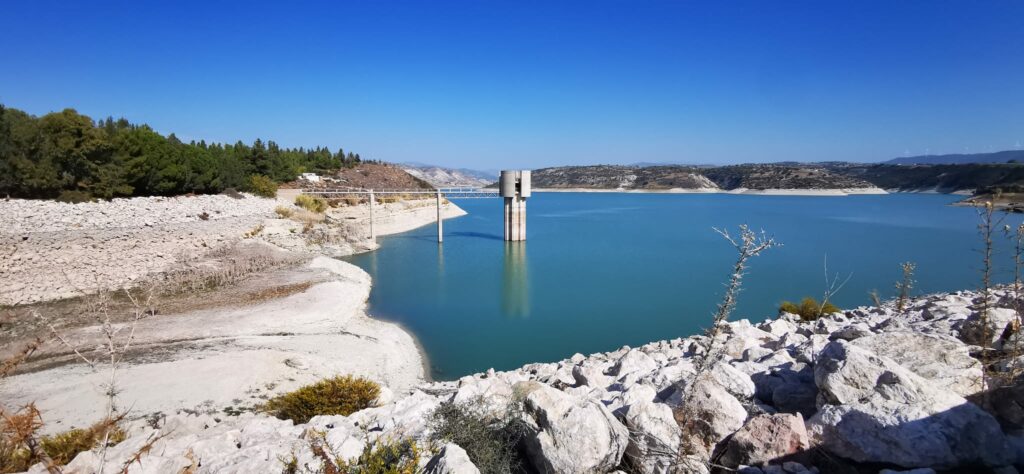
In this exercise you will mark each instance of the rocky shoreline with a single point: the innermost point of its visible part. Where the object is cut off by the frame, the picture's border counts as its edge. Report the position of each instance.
(868, 390)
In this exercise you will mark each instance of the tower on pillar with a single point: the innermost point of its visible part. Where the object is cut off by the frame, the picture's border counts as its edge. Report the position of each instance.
(514, 186)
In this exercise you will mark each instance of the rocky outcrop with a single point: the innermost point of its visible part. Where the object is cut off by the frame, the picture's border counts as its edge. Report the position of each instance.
(876, 387)
(571, 434)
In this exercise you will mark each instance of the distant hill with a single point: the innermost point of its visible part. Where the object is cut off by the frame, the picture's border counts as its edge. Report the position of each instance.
(943, 178)
(752, 176)
(961, 158)
(620, 177)
(446, 177)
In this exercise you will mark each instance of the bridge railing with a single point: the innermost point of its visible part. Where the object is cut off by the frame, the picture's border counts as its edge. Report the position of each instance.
(452, 192)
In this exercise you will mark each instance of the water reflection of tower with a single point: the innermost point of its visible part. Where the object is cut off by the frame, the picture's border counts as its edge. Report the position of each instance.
(515, 294)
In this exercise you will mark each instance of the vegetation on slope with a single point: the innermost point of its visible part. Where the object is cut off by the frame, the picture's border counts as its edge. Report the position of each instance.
(67, 153)
(942, 178)
(781, 176)
(756, 176)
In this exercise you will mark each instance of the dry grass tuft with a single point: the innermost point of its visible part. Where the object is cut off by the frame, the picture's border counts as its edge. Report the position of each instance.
(310, 203)
(808, 309)
(63, 447)
(284, 212)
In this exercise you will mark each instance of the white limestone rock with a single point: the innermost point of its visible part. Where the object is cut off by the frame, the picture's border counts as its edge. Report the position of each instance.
(452, 459)
(654, 436)
(570, 434)
(874, 410)
(939, 359)
(766, 438)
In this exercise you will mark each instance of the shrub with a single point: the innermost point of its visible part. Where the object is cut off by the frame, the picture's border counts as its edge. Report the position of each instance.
(262, 186)
(310, 203)
(74, 196)
(284, 212)
(63, 447)
(385, 457)
(343, 395)
(489, 439)
(809, 309)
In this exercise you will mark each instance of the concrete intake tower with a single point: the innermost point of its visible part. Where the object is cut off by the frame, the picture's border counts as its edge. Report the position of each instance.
(514, 186)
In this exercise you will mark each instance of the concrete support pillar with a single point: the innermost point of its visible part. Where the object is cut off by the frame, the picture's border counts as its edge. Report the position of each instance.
(440, 221)
(515, 219)
(373, 235)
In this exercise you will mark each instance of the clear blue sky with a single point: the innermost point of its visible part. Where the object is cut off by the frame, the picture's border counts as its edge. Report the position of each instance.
(489, 84)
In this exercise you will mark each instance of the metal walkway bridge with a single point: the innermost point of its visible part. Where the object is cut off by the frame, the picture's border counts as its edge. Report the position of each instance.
(467, 192)
(461, 192)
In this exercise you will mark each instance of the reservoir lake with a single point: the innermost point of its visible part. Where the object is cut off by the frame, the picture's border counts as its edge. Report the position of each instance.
(603, 270)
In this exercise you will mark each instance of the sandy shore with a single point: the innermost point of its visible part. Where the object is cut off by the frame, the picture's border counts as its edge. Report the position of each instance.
(238, 348)
(763, 192)
(231, 358)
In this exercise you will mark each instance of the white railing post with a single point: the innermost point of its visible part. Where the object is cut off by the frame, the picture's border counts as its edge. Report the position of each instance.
(373, 235)
(440, 221)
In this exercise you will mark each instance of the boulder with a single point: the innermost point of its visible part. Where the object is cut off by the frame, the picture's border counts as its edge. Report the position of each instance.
(790, 389)
(754, 353)
(989, 333)
(633, 361)
(807, 351)
(653, 437)
(778, 358)
(590, 375)
(569, 434)
(851, 332)
(707, 413)
(667, 379)
(829, 323)
(451, 460)
(741, 336)
(766, 438)
(1007, 405)
(734, 381)
(875, 410)
(779, 327)
(939, 359)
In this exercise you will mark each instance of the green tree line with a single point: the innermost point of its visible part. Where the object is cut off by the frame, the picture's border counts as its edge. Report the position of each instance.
(69, 156)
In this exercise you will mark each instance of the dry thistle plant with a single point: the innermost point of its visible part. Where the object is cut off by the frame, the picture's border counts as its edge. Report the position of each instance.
(110, 355)
(832, 287)
(989, 222)
(1013, 366)
(749, 244)
(693, 453)
(904, 286)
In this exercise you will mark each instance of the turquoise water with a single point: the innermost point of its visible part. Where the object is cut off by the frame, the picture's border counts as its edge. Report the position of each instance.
(600, 271)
